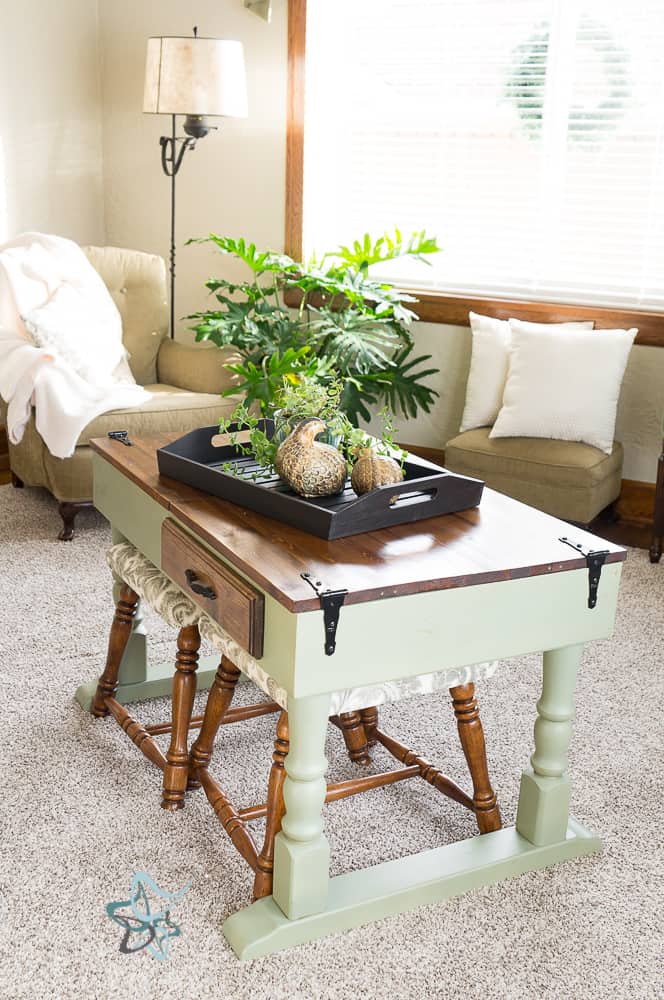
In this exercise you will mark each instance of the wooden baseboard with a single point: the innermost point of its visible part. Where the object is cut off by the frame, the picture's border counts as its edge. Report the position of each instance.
(637, 502)
(436, 455)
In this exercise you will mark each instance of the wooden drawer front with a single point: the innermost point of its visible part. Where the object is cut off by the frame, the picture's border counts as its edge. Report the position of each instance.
(227, 597)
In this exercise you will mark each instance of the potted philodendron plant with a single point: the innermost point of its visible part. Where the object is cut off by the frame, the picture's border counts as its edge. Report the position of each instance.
(292, 320)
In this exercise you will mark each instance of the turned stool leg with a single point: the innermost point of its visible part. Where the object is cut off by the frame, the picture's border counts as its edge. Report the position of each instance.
(125, 611)
(218, 703)
(275, 810)
(355, 737)
(471, 735)
(369, 718)
(184, 689)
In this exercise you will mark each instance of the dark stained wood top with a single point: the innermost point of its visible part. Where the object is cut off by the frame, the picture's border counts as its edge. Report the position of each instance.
(502, 539)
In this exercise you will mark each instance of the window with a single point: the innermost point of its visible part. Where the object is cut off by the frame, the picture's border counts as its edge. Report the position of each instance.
(527, 135)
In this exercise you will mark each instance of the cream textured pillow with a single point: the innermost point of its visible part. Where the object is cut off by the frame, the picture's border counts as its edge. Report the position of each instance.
(488, 366)
(564, 385)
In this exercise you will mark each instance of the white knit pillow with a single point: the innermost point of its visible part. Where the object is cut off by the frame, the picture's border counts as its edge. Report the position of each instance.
(563, 384)
(488, 366)
(81, 324)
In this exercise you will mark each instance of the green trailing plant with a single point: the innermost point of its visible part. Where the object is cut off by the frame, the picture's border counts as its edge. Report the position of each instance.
(343, 320)
(298, 398)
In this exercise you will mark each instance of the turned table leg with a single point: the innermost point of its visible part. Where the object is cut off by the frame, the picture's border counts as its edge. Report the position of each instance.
(301, 850)
(275, 809)
(176, 771)
(218, 703)
(123, 620)
(543, 810)
(471, 735)
(369, 718)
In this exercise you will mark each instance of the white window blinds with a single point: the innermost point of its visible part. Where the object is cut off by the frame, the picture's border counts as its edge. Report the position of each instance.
(527, 135)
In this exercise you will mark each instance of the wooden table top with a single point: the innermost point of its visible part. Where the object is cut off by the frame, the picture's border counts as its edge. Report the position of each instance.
(501, 539)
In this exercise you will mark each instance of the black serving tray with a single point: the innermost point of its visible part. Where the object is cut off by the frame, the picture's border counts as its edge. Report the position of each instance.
(426, 491)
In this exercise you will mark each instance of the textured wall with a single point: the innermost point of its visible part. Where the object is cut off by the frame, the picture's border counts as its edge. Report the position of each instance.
(50, 123)
(233, 183)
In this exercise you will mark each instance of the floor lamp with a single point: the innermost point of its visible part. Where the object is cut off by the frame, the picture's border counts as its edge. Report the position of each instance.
(200, 78)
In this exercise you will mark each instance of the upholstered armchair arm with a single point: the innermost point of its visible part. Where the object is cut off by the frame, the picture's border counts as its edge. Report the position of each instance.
(198, 368)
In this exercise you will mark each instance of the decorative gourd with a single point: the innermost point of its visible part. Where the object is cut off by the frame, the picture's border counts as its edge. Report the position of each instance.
(311, 468)
(371, 471)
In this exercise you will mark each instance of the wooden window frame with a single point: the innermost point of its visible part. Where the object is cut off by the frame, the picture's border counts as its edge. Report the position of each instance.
(432, 306)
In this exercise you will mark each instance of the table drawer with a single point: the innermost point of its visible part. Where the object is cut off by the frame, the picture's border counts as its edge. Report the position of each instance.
(222, 593)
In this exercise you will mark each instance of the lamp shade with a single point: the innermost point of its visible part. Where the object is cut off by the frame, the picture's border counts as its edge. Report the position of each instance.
(195, 76)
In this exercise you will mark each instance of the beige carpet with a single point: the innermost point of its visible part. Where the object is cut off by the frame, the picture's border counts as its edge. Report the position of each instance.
(80, 814)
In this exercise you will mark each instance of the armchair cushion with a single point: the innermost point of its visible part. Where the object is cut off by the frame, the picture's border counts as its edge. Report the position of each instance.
(199, 368)
(568, 479)
(169, 409)
(137, 284)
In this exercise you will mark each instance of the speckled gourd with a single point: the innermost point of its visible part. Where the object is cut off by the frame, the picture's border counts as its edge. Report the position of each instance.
(372, 470)
(311, 468)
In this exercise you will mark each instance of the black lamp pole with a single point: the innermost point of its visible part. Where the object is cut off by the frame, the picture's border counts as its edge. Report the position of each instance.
(171, 161)
(196, 127)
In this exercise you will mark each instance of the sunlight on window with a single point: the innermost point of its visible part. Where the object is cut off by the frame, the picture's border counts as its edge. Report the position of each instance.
(528, 135)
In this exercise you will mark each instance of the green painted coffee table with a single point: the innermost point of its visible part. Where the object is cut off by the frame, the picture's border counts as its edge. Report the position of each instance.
(485, 584)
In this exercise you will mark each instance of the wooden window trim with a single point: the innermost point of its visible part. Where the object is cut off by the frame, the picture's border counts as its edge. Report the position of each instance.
(432, 306)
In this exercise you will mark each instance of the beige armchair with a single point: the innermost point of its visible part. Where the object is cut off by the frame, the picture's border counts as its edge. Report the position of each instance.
(185, 382)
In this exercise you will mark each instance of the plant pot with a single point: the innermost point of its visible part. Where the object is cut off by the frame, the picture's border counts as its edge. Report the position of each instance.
(285, 423)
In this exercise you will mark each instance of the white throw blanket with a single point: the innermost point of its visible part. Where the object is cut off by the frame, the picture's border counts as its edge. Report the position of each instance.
(60, 342)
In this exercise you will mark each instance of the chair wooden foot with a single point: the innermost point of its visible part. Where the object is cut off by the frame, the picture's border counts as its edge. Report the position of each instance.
(125, 612)
(176, 771)
(17, 483)
(68, 512)
(218, 703)
(275, 810)
(471, 735)
(658, 513)
(355, 737)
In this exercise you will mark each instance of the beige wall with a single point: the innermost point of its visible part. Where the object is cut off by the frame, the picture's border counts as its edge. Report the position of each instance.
(50, 127)
(233, 183)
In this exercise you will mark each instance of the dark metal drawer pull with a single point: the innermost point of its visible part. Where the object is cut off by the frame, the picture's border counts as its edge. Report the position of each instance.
(198, 587)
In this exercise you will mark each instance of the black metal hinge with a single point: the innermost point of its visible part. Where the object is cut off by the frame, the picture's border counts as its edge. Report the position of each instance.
(330, 602)
(121, 436)
(595, 559)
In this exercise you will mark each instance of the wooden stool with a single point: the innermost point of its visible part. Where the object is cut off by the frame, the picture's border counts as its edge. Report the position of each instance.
(139, 579)
(360, 730)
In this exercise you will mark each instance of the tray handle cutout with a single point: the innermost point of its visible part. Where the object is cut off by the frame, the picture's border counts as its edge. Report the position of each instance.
(222, 440)
(415, 497)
